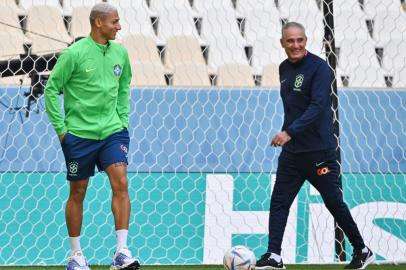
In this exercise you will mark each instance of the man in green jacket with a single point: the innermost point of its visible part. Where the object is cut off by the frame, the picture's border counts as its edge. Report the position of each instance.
(94, 75)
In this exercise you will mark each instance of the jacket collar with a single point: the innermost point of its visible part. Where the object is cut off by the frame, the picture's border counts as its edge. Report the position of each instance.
(101, 47)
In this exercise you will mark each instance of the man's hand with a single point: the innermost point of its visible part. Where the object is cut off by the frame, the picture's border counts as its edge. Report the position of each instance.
(280, 139)
(61, 137)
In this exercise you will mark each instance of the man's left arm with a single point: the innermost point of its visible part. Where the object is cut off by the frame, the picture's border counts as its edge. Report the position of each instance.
(123, 98)
(321, 90)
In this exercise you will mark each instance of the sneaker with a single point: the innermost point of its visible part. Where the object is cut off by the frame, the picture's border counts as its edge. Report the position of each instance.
(77, 262)
(361, 260)
(123, 260)
(266, 262)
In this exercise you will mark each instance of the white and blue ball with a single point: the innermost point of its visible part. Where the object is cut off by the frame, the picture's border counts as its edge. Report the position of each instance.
(239, 258)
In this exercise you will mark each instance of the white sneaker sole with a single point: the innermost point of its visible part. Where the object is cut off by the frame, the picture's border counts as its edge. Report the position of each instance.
(124, 267)
(368, 262)
(268, 267)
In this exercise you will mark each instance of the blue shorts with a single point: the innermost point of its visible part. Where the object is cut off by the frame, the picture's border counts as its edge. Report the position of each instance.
(82, 155)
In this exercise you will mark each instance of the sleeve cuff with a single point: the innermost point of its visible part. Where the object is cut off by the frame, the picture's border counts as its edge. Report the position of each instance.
(290, 132)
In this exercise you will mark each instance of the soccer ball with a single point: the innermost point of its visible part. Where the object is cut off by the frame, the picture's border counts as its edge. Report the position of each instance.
(239, 258)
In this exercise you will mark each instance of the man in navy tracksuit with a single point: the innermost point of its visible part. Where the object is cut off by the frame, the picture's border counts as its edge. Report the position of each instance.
(308, 148)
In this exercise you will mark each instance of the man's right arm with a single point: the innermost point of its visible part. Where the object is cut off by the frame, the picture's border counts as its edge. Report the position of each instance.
(60, 74)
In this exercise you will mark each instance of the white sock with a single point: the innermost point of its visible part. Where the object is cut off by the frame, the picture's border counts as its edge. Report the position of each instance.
(74, 244)
(121, 238)
(365, 250)
(276, 257)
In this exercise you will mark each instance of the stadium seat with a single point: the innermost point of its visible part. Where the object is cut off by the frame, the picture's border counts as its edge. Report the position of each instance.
(375, 7)
(69, 5)
(148, 74)
(176, 18)
(357, 60)
(145, 61)
(263, 27)
(366, 76)
(235, 75)
(226, 50)
(399, 78)
(350, 25)
(267, 50)
(12, 35)
(355, 52)
(15, 81)
(263, 31)
(182, 50)
(79, 25)
(141, 49)
(247, 6)
(305, 12)
(394, 54)
(350, 20)
(394, 61)
(220, 5)
(13, 40)
(48, 22)
(9, 14)
(27, 4)
(270, 76)
(135, 18)
(12, 5)
(11, 45)
(389, 25)
(288, 7)
(191, 75)
(220, 22)
(221, 31)
(340, 5)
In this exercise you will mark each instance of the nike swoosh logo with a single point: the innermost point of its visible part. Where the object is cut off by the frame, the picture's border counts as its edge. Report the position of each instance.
(283, 81)
(89, 70)
(318, 164)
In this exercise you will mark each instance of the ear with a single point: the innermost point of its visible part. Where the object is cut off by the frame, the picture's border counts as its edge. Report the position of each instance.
(98, 22)
(281, 41)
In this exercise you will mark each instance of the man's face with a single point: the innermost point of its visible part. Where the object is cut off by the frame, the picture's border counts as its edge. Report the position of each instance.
(110, 25)
(294, 42)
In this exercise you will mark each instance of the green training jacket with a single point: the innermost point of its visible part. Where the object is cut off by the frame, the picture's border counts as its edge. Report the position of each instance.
(95, 80)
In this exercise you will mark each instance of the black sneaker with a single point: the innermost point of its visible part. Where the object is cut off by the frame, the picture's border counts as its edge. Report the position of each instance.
(361, 260)
(266, 262)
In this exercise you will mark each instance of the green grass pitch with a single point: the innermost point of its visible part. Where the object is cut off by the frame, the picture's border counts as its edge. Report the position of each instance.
(212, 267)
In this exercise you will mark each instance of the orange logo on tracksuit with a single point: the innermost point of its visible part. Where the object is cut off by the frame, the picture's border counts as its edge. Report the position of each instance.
(323, 171)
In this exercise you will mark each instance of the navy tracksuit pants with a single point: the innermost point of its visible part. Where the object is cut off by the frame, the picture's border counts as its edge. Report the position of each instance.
(322, 170)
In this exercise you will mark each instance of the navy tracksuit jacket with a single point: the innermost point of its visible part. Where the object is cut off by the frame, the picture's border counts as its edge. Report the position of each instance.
(310, 154)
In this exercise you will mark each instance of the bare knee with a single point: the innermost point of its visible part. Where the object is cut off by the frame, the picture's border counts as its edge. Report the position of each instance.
(77, 194)
(120, 187)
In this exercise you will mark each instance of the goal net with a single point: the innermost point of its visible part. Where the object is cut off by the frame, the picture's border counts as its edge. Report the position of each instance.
(204, 105)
